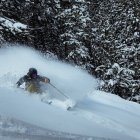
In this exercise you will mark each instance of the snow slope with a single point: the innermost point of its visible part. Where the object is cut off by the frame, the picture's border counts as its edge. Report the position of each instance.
(96, 114)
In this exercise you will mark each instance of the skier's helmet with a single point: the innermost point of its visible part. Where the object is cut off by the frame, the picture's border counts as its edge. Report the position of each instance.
(32, 73)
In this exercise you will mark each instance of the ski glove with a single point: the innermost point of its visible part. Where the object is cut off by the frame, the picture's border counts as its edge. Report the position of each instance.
(47, 80)
(18, 84)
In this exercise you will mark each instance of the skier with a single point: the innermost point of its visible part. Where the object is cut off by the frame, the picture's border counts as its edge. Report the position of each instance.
(32, 81)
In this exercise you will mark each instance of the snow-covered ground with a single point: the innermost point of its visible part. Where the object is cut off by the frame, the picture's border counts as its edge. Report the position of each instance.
(96, 115)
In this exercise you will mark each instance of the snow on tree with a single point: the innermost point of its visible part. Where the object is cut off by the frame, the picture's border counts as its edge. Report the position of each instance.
(11, 29)
(12, 25)
(117, 40)
(74, 23)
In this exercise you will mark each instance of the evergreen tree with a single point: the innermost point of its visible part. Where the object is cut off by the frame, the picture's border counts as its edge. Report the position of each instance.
(75, 35)
(117, 40)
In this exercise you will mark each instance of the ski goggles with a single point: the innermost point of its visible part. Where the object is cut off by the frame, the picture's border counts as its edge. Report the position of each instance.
(34, 75)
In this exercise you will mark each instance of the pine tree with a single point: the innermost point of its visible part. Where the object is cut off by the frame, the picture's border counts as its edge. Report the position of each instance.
(75, 35)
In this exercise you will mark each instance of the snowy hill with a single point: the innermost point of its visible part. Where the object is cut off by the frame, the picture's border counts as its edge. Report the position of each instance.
(97, 115)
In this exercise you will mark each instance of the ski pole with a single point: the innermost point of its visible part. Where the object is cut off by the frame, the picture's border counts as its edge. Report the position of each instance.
(59, 91)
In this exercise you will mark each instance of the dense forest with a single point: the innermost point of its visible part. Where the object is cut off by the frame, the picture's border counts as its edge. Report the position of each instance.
(100, 36)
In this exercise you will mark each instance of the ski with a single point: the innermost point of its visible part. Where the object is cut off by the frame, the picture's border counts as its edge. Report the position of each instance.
(47, 101)
(66, 105)
(69, 108)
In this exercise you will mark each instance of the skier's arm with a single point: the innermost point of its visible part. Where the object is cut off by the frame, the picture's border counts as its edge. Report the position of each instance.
(44, 79)
(21, 81)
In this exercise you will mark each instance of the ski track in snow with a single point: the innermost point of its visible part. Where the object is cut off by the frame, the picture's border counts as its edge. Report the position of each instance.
(96, 113)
